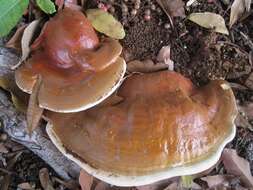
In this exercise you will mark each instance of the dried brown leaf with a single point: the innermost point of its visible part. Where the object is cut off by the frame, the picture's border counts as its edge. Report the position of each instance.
(216, 180)
(25, 186)
(242, 121)
(18, 97)
(238, 8)
(102, 186)
(173, 8)
(85, 180)
(6, 182)
(3, 149)
(146, 66)
(15, 41)
(210, 21)
(26, 41)
(70, 184)
(238, 166)
(34, 111)
(45, 179)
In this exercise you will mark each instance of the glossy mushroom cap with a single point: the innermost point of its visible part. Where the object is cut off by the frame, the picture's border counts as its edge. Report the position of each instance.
(77, 70)
(163, 127)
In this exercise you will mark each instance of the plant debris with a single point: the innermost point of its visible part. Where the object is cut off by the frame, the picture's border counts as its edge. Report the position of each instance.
(210, 21)
(34, 111)
(26, 40)
(45, 181)
(238, 166)
(145, 66)
(105, 23)
(173, 8)
(238, 9)
(85, 180)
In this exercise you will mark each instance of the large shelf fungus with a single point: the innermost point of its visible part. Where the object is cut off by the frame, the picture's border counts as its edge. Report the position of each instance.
(77, 70)
(163, 127)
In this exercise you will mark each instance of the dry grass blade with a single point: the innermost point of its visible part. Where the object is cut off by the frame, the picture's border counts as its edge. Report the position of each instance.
(146, 66)
(85, 180)
(238, 166)
(34, 111)
(45, 179)
(26, 41)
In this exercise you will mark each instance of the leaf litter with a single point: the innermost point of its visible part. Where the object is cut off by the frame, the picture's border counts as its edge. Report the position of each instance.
(210, 20)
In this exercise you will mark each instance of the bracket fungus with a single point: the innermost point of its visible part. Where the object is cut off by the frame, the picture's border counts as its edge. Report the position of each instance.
(77, 70)
(163, 127)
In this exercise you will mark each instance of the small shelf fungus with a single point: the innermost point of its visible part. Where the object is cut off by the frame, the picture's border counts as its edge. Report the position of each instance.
(163, 127)
(78, 71)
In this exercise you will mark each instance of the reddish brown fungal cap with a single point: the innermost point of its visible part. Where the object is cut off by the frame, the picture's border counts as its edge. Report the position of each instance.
(73, 64)
(163, 127)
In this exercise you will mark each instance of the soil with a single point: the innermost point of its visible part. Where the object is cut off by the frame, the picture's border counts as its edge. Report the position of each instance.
(197, 53)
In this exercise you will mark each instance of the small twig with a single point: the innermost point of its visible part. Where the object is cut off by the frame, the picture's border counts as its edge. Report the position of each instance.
(236, 46)
(247, 40)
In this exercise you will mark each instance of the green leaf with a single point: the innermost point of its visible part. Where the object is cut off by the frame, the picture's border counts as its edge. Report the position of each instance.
(10, 13)
(47, 6)
(105, 23)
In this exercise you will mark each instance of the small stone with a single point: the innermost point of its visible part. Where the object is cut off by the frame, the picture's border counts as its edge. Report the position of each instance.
(159, 10)
(134, 12)
(112, 9)
(153, 7)
(3, 137)
(136, 6)
(147, 17)
(147, 12)
(167, 26)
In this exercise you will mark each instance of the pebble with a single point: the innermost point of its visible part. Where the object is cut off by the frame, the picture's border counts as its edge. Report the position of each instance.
(153, 7)
(147, 12)
(134, 12)
(167, 26)
(147, 17)
(3, 137)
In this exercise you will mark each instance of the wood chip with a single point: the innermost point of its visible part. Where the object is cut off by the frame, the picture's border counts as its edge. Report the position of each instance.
(45, 179)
